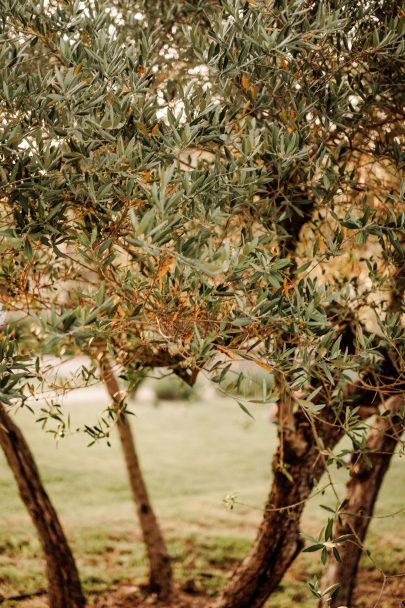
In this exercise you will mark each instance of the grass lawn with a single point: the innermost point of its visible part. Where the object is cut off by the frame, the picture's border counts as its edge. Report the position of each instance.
(193, 455)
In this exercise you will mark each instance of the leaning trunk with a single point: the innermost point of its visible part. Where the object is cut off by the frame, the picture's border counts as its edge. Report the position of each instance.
(296, 467)
(362, 492)
(64, 590)
(161, 576)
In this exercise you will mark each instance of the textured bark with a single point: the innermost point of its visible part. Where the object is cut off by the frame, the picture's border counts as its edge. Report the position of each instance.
(64, 589)
(362, 492)
(161, 576)
(278, 541)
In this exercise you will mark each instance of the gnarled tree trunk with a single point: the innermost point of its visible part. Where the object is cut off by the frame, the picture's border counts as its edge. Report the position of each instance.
(362, 492)
(278, 541)
(64, 589)
(161, 576)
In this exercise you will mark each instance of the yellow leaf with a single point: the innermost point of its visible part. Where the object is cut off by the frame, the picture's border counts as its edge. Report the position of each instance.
(147, 175)
(77, 69)
(165, 267)
(128, 201)
(116, 317)
(245, 82)
(246, 106)
(154, 130)
(269, 368)
(225, 351)
(143, 129)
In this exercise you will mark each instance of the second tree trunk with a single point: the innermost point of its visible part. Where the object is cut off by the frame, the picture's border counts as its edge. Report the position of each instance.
(161, 577)
(278, 541)
(362, 492)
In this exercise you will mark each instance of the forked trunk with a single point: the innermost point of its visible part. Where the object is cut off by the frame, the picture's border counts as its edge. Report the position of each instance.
(64, 589)
(278, 541)
(161, 576)
(362, 492)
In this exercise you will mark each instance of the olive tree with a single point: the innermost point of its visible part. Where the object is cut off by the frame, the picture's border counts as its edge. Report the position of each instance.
(187, 180)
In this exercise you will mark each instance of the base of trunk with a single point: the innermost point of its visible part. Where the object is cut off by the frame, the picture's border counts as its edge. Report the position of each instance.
(278, 541)
(64, 589)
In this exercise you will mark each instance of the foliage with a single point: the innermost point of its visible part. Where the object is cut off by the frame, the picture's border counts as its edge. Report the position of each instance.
(15, 370)
(190, 184)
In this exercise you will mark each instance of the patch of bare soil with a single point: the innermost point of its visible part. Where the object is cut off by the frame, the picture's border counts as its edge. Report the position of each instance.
(124, 596)
(128, 596)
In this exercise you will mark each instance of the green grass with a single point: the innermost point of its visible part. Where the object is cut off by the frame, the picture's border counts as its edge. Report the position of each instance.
(193, 455)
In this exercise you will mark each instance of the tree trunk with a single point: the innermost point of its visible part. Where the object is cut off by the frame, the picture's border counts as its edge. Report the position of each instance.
(64, 589)
(278, 541)
(362, 492)
(161, 576)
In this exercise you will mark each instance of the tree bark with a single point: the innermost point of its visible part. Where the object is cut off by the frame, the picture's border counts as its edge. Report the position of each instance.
(160, 576)
(64, 589)
(362, 492)
(278, 541)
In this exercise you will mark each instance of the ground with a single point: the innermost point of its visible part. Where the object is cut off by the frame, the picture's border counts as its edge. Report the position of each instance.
(193, 456)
